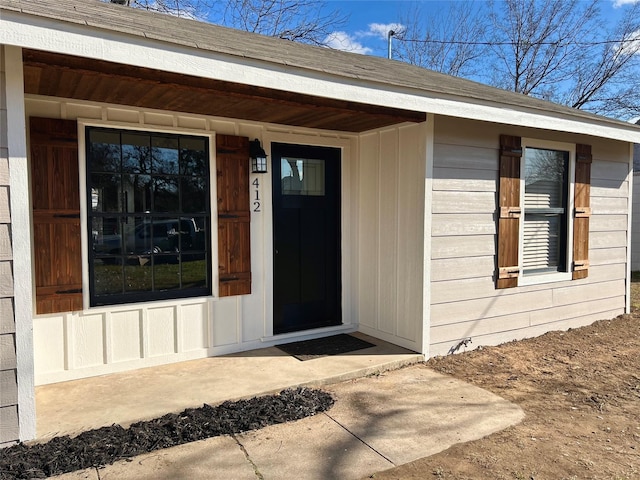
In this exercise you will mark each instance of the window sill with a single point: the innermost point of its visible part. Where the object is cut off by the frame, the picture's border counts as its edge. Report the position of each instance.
(148, 304)
(544, 278)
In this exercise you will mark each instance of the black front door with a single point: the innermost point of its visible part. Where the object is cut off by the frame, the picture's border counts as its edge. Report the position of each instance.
(306, 231)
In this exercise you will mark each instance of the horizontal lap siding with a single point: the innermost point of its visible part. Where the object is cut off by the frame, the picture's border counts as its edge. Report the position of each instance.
(635, 222)
(465, 302)
(8, 375)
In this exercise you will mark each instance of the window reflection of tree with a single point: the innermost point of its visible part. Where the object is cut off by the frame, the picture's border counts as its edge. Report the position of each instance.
(545, 174)
(292, 184)
(139, 184)
(544, 165)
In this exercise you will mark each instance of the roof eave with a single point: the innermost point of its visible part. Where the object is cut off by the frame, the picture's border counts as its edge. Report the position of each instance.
(75, 37)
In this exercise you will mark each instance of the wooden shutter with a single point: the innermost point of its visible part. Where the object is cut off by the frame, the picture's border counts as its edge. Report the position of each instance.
(234, 216)
(509, 212)
(582, 212)
(56, 215)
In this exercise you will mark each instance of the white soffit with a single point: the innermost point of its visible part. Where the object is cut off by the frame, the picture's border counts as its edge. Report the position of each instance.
(50, 35)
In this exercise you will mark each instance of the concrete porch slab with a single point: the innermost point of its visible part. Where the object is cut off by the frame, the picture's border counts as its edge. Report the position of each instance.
(124, 398)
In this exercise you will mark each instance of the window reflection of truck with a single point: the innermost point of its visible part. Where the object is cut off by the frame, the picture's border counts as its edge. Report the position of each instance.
(159, 236)
(172, 235)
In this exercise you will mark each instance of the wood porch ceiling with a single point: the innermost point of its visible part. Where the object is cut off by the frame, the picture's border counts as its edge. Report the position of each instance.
(79, 78)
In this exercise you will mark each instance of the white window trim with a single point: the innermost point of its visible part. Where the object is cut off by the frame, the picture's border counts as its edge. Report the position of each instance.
(554, 276)
(82, 123)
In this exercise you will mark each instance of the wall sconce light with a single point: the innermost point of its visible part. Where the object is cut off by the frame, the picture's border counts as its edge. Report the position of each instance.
(258, 157)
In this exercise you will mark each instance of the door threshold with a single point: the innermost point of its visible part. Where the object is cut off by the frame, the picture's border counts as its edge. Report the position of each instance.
(309, 334)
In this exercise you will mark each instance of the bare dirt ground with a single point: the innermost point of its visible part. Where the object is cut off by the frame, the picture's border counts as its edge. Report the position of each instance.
(580, 391)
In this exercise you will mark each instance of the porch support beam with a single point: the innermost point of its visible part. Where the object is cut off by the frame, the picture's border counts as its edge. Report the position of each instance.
(21, 239)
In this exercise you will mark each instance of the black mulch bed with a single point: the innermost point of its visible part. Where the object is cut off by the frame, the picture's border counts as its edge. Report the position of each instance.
(107, 445)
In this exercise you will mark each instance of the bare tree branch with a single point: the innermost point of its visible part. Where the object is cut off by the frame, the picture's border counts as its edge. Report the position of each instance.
(304, 21)
(446, 38)
(534, 41)
(298, 20)
(606, 78)
(560, 50)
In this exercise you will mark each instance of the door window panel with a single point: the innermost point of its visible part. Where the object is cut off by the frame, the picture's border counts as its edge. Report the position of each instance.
(302, 176)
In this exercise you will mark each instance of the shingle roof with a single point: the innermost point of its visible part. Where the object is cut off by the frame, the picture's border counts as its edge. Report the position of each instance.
(222, 40)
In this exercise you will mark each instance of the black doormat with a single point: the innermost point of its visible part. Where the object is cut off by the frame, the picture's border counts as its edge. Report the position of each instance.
(322, 347)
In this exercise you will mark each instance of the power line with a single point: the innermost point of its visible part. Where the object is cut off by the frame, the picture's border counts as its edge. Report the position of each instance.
(488, 43)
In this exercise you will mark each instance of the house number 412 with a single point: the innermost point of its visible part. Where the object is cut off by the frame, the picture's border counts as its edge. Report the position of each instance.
(256, 200)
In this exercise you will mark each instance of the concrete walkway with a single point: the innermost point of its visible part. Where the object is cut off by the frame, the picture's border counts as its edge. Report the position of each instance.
(382, 418)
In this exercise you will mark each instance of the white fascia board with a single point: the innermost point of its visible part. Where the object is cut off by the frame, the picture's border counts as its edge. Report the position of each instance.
(39, 33)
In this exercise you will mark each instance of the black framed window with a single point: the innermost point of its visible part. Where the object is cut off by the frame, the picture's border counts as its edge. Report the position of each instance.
(546, 187)
(149, 216)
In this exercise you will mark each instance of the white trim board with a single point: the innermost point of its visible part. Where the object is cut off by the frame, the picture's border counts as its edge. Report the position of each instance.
(21, 233)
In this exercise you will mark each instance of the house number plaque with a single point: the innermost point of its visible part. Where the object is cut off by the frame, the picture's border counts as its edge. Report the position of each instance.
(256, 200)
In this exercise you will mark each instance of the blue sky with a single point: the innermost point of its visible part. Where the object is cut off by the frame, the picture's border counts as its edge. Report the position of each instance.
(369, 21)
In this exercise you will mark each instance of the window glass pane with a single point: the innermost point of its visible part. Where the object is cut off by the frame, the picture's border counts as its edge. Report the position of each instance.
(541, 242)
(107, 278)
(544, 178)
(545, 200)
(166, 273)
(136, 156)
(166, 197)
(302, 176)
(137, 234)
(137, 193)
(138, 276)
(105, 192)
(194, 271)
(201, 223)
(104, 151)
(165, 155)
(193, 156)
(106, 237)
(194, 195)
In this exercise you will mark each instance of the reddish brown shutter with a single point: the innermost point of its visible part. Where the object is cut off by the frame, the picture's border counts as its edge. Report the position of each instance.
(582, 212)
(234, 216)
(509, 212)
(56, 215)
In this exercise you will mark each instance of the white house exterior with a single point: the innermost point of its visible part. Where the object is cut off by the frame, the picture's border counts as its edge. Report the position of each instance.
(635, 222)
(432, 230)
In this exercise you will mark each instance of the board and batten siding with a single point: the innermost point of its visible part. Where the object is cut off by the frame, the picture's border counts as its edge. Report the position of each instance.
(9, 428)
(104, 340)
(391, 179)
(464, 300)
